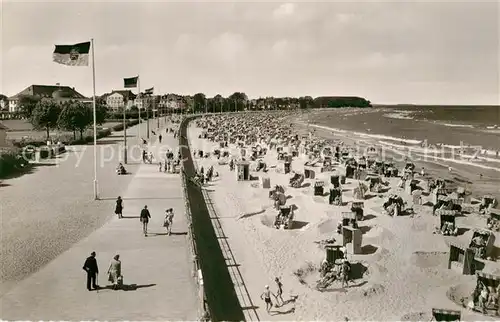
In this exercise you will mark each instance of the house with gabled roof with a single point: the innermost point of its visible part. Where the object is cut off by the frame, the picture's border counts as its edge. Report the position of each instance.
(57, 93)
(116, 100)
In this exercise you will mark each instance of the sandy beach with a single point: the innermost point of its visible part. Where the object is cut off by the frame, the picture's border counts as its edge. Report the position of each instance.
(400, 273)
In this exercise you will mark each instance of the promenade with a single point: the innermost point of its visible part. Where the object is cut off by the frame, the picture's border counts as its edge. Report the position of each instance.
(157, 269)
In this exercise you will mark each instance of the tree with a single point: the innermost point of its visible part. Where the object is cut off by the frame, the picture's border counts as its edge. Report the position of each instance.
(68, 118)
(27, 103)
(45, 116)
(5, 101)
(76, 116)
(218, 103)
(238, 100)
(101, 112)
(199, 101)
(306, 102)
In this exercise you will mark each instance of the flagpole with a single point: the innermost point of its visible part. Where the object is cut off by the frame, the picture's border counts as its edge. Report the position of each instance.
(147, 117)
(96, 193)
(140, 105)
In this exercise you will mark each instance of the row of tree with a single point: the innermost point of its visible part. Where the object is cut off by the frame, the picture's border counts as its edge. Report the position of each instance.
(239, 101)
(70, 116)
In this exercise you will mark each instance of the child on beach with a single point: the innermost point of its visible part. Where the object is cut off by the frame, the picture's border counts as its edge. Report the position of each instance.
(279, 293)
(266, 296)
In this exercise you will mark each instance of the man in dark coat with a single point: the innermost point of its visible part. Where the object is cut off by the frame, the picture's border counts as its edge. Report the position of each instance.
(92, 270)
(144, 217)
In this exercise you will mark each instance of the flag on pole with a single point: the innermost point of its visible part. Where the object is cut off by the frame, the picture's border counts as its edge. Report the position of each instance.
(130, 82)
(149, 91)
(72, 55)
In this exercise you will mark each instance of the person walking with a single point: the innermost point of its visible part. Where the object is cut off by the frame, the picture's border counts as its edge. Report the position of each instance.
(90, 266)
(346, 269)
(266, 296)
(119, 207)
(169, 219)
(159, 138)
(115, 271)
(279, 293)
(144, 218)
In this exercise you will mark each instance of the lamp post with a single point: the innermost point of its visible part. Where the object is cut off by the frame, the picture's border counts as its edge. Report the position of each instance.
(124, 133)
(147, 118)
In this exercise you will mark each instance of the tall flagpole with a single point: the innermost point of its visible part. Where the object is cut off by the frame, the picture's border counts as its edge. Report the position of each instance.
(96, 194)
(140, 105)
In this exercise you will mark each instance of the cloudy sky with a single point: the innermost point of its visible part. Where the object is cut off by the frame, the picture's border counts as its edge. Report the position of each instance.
(389, 52)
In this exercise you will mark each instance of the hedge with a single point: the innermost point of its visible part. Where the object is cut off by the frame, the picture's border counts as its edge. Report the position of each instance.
(68, 139)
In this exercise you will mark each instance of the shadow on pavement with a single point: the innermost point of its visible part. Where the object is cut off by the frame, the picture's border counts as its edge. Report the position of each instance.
(126, 287)
(130, 217)
(28, 169)
(166, 234)
(160, 198)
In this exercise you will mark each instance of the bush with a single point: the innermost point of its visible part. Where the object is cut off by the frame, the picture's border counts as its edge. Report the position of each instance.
(23, 143)
(119, 127)
(12, 162)
(90, 138)
(68, 139)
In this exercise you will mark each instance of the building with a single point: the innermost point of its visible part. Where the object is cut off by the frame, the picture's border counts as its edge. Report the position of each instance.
(3, 136)
(147, 101)
(172, 102)
(116, 100)
(54, 92)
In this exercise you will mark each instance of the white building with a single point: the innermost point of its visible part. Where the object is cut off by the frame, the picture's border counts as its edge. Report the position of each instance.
(172, 102)
(147, 101)
(119, 99)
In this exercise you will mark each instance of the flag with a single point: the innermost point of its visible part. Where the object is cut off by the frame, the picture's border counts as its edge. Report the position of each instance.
(149, 91)
(72, 55)
(130, 82)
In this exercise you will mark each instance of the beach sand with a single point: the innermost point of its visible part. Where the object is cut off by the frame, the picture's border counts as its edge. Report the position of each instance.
(401, 274)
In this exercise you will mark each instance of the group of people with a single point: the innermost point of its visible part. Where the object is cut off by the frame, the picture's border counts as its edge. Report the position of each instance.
(120, 169)
(114, 272)
(145, 215)
(485, 297)
(147, 158)
(266, 295)
(171, 164)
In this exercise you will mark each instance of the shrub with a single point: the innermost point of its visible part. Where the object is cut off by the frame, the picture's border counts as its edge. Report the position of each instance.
(23, 143)
(11, 162)
(119, 127)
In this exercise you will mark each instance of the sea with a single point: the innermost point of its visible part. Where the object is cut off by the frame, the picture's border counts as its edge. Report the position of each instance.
(462, 139)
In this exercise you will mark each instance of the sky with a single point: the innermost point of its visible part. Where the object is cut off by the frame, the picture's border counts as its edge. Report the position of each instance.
(391, 52)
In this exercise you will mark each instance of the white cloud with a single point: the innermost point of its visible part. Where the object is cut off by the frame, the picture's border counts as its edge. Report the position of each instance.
(331, 45)
(286, 9)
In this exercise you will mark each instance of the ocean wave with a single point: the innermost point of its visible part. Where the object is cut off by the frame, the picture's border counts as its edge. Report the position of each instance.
(372, 136)
(493, 127)
(480, 155)
(400, 115)
(456, 125)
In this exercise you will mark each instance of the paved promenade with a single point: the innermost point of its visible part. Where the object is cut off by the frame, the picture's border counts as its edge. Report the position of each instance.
(157, 269)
